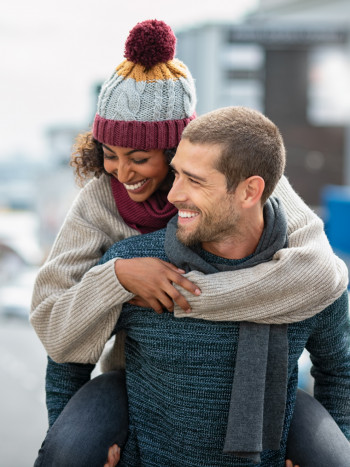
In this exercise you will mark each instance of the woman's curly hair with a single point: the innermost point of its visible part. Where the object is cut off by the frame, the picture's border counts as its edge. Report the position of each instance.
(87, 158)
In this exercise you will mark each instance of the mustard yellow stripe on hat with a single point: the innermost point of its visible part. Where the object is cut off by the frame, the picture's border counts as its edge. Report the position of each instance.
(173, 69)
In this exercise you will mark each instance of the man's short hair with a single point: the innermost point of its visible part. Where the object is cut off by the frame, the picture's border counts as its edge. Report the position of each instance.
(251, 145)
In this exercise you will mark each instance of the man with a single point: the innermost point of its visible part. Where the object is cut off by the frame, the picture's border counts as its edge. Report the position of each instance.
(181, 372)
(221, 393)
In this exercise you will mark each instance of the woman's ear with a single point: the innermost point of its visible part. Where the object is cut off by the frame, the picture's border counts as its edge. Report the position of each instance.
(252, 190)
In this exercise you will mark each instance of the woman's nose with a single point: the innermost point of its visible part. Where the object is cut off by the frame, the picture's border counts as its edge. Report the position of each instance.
(124, 172)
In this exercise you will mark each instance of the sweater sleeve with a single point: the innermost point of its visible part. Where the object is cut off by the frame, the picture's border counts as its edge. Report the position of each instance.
(329, 347)
(298, 282)
(76, 303)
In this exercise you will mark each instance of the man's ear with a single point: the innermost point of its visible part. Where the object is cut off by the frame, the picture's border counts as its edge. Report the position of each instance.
(252, 190)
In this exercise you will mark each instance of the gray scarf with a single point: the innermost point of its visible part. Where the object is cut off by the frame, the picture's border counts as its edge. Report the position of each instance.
(259, 388)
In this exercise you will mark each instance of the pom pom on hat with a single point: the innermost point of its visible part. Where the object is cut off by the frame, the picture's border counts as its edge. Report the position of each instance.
(149, 43)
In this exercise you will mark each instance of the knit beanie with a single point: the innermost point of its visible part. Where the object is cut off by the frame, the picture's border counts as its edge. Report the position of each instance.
(151, 97)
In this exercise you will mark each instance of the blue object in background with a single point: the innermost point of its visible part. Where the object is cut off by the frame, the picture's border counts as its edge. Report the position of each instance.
(336, 203)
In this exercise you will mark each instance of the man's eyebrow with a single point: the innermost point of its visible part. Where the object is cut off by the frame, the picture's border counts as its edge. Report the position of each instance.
(189, 174)
(127, 153)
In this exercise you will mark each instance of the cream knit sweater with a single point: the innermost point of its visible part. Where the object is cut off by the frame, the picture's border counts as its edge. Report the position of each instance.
(76, 304)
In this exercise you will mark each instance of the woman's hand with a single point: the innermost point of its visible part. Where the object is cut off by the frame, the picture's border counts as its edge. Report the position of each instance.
(113, 456)
(151, 279)
(289, 463)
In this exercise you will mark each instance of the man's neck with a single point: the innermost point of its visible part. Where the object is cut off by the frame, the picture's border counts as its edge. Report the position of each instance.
(240, 243)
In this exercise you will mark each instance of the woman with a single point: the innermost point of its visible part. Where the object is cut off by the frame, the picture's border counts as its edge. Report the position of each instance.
(142, 111)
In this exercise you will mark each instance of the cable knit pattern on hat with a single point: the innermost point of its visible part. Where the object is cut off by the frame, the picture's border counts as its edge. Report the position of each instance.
(147, 101)
(116, 101)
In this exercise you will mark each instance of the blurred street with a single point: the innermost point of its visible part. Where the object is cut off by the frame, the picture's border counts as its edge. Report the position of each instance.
(23, 420)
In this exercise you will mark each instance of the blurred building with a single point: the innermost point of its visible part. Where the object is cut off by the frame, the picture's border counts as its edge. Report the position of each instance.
(60, 139)
(296, 72)
(307, 11)
(56, 187)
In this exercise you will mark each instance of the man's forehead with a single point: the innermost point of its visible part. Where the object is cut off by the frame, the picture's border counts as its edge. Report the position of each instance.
(200, 154)
(198, 161)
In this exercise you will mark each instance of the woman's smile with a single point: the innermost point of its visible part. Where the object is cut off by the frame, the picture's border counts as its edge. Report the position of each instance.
(138, 186)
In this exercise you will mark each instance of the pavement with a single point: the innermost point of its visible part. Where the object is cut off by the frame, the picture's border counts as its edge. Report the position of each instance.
(23, 420)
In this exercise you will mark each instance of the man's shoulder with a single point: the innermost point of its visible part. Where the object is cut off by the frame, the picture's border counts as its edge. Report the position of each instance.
(335, 315)
(151, 244)
(329, 320)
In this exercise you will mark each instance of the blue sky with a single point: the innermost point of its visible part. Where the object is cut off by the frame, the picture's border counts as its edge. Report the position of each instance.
(53, 51)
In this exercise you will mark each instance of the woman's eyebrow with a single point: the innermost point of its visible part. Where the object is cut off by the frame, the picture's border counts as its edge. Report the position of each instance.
(127, 153)
(134, 150)
(108, 149)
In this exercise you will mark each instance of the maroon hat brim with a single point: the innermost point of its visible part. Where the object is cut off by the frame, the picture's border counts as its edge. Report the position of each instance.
(139, 135)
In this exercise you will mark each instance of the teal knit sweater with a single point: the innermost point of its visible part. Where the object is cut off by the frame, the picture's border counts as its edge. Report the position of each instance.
(180, 371)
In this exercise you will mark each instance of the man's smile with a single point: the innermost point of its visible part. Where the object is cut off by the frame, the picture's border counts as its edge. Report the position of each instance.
(186, 216)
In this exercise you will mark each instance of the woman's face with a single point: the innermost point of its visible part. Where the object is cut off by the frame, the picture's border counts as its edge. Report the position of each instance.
(141, 172)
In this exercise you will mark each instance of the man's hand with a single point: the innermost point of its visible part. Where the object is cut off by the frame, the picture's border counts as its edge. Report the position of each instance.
(113, 456)
(151, 279)
(289, 463)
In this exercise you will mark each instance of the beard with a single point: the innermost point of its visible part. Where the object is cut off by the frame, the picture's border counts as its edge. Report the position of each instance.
(212, 227)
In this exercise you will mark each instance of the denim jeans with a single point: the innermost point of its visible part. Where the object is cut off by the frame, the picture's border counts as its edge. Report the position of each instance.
(96, 417)
(314, 439)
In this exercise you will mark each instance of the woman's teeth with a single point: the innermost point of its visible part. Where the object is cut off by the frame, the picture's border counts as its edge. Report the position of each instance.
(136, 185)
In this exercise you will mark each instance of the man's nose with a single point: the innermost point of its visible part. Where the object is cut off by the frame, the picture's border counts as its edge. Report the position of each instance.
(177, 192)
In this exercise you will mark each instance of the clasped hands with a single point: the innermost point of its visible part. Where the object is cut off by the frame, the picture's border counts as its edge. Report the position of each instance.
(152, 281)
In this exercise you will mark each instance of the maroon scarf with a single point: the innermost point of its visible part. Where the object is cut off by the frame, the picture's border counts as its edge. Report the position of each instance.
(148, 216)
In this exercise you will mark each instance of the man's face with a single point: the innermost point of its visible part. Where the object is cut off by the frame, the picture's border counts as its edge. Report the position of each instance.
(207, 213)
